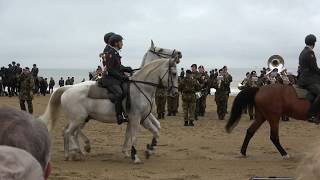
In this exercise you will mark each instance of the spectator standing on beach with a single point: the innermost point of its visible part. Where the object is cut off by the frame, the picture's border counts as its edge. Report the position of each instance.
(72, 81)
(61, 82)
(51, 85)
(68, 81)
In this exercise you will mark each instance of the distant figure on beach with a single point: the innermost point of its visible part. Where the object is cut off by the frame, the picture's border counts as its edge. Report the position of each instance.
(72, 81)
(68, 81)
(26, 88)
(43, 86)
(51, 85)
(61, 82)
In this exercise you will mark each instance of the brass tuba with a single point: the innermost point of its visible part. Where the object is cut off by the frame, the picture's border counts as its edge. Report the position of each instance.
(276, 61)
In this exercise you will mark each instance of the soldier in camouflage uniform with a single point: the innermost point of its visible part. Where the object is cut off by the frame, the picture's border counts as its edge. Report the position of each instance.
(253, 82)
(26, 90)
(203, 80)
(189, 86)
(161, 100)
(197, 76)
(228, 81)
(221, 84)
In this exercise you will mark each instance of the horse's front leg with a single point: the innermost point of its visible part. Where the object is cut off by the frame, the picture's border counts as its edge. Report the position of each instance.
(155, 131)
(125, 146)
(134, 127)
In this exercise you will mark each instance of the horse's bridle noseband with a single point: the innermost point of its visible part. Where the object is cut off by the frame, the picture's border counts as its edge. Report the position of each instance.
(163, 55)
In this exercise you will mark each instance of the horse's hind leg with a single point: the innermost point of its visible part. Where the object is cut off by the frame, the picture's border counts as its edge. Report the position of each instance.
(251, 131)
(67, 137)
(274, 137)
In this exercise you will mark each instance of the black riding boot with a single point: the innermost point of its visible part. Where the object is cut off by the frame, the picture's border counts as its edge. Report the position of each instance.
(121, 117)
(314, 111)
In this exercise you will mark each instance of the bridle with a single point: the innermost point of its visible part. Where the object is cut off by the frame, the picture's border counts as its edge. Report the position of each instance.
(163, 55)
(169, 87)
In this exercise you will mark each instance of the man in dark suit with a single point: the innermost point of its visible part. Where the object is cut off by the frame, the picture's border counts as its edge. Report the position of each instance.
(309, 75)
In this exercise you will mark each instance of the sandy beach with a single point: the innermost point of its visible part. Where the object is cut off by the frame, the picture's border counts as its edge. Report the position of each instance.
(203, 152)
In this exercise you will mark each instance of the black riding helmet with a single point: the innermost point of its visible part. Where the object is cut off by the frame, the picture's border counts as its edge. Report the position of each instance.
(107, 37)
(310, 40)
(115, 38)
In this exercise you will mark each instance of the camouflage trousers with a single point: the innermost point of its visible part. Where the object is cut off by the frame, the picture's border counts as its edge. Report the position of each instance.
(23, 105)
(201, 105)
(221, 106)
(172, 104)
(161, 104)
(189, 106)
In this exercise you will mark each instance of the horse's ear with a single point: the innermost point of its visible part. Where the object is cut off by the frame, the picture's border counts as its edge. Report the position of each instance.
(152, 44)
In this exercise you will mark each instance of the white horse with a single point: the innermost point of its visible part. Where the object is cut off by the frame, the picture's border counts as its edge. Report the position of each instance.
(78, 107)
(151, 123)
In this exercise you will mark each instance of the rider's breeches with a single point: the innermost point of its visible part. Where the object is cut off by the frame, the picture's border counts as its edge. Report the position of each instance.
(117, 91)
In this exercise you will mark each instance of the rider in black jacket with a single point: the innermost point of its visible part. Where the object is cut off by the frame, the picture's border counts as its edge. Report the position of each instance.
(309, 75)
(114, 77)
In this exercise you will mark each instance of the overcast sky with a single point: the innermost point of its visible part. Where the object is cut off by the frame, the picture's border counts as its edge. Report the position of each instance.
(69, 34)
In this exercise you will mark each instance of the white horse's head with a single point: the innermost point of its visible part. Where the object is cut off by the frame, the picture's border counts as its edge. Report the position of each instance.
(154, 53)
(163, 69)
(165, 53)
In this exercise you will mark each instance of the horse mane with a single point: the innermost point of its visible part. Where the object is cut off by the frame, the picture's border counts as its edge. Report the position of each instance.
(144, 60)
(149, 68)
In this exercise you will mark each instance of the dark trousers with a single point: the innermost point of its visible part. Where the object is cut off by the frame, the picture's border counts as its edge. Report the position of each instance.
(23, 105)
(50, 89)
(118, 96)
(315, 107)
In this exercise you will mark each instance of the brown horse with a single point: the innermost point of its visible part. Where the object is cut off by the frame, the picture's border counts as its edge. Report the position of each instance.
(271, 102)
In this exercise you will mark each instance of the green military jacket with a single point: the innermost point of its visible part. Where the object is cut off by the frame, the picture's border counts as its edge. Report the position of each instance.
(189, 86)
(223, 89)
(26, 87)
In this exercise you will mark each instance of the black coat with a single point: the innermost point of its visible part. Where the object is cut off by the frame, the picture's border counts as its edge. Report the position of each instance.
(309, 73)
(115, 70)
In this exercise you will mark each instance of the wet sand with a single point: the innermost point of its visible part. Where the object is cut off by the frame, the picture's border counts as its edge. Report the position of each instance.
(203, 152)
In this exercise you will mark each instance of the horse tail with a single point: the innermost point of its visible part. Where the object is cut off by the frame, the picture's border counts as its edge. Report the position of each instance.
(50, 115)
(243, 99)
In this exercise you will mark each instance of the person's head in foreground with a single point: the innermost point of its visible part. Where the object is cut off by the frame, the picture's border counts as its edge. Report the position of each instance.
(17, 164)
(20, 130)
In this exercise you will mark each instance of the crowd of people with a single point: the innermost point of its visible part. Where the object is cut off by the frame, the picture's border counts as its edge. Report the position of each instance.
(267, 76)
(194, 87)
(24, 83)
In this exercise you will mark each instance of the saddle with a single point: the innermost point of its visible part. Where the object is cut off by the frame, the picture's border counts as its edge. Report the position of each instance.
(96, 91)
(303, 93)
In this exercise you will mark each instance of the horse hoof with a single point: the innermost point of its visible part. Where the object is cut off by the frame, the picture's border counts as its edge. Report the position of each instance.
(137, 160)
(126, 154)
(147, 154)
(87, 148)
(286, 157)
(243, 154)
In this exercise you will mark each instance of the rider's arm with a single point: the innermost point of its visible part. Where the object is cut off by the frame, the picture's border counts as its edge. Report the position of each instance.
(125, 69)
(313, 66)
